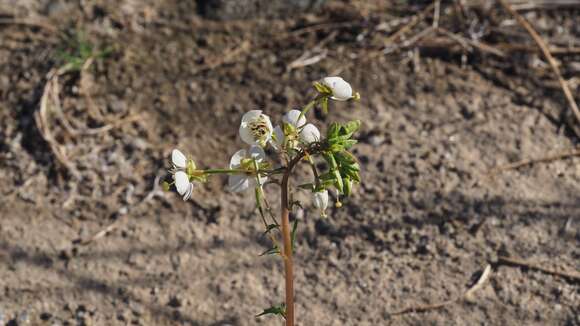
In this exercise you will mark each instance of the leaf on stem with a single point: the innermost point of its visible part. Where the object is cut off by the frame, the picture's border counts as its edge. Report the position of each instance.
(272, 251)
(271, 227)
(274, 310)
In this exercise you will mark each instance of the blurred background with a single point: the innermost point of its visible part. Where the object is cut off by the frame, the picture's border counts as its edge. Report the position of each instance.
(94, 95)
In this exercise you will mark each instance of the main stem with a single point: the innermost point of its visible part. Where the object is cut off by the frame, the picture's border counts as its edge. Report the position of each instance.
(288, 262)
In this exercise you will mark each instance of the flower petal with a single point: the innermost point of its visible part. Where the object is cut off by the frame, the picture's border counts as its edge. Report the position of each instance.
(309, 134)
(251, 115)
(279, 137)
(188, 192)
(246, 134)
(293, 117)
(178, 159)
(237, 158)
(181, 182)
(257, 153)
(321, 201)
(263, 179)
(341, 90)
(238, 182)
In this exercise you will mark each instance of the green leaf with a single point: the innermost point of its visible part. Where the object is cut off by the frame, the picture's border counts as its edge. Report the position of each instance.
(336, 147)
(274, 310)
(333, 130)
(331, 161)
(307, 186)
(352, 126)
(295, 203)
(354, 175)
(293, 235)
(349, 143)
(322, 89)
(344, 157)
(272, 251)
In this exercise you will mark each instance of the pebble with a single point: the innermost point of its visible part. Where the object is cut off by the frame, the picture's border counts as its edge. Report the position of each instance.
(24, 318)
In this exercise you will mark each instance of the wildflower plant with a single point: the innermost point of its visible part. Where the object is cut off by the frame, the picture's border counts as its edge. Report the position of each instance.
(295, 141)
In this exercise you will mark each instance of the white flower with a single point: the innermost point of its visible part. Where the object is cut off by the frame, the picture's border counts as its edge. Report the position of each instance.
(256, 128)
(321, 201)
(309, 134)
(182, 184)
(341, 90)
(243, 159)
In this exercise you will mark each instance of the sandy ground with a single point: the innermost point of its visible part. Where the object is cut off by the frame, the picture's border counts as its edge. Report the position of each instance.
(423, 225)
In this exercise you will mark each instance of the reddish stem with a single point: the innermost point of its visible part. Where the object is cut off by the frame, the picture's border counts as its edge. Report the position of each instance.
(288, 262)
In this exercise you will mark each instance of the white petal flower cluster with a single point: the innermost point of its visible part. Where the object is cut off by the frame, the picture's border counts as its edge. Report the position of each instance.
(249, 168)
(320, 199)
(295, 129)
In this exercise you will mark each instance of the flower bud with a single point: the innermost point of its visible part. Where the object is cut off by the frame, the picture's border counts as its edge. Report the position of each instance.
(321, 201)
(341, 90)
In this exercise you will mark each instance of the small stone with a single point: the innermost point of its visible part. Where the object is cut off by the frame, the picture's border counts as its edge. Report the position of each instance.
(377, 140)
(174, 302)
(24, 318)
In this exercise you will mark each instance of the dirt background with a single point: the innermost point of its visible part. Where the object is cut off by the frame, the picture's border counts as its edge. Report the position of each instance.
(419, 230)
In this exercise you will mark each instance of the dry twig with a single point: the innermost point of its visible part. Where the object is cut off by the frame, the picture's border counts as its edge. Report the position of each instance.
(229, 56)
(414, 21)
(32, 22)
(574, 276)
(309, 58)
(546, 51)
(50, 99)
(515, 165)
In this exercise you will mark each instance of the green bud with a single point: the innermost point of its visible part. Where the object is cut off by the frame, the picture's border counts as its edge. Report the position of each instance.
(347, 183)
(165, 185)
(338, 181)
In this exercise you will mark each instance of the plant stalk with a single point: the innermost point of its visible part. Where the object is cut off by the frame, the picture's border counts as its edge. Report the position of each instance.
(286, 235)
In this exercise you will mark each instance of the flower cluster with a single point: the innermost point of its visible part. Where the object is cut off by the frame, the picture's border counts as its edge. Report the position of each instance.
(294, 136)
(295, 141)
